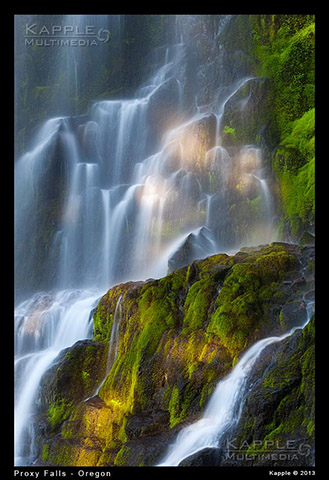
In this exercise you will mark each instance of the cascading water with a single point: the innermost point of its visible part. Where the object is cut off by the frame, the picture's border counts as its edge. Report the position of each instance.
(133, 183)
(44, 325)
(224, 408)
(114, 341)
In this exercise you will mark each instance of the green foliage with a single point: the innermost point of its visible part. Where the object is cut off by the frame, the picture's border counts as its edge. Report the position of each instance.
(229, 135)
(295, 166)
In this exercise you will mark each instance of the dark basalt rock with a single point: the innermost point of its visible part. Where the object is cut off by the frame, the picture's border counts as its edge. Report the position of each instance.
(196, 245)
(74, 374)
(307, 238)
(277, 412)
(208, 457)
(161, 106)
(245, 110)
(293, 314)
(142, 425)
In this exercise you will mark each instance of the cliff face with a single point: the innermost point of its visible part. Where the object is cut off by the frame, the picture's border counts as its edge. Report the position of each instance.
(178, 336)
(46, 84)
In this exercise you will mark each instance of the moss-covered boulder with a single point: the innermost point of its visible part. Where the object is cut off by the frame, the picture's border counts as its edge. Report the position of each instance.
(177, 337)
(71, 378)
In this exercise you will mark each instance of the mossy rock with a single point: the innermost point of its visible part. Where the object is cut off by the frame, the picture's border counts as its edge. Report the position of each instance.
(179, 336)
(72, 377)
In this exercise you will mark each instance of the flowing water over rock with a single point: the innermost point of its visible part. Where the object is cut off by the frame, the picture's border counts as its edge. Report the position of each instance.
(224, 409)
(125, 192)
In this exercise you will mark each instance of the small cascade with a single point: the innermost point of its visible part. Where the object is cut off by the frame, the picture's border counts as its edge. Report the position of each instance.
(114, 341)
(224, 408)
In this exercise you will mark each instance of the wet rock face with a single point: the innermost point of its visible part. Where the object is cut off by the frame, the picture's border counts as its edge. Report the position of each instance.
(141, 425)
(293, 313)
(163, 106)
(179, 336)
(245, 111)
(72, 378)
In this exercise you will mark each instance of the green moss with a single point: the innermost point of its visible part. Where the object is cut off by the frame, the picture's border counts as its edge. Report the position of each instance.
(241, 303)
(58, 412)
(197, 303)
(296, 410)
(178, 336)
(45, 452)
(120, 459)
(285, 397)
(295, 166)
(174, 407)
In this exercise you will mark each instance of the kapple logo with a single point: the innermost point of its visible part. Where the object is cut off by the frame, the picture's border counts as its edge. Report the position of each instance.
(65, 35)
(103, 35)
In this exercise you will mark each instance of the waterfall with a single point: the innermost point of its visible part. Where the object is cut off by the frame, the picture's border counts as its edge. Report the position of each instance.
(224, 408)
(114, 195)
